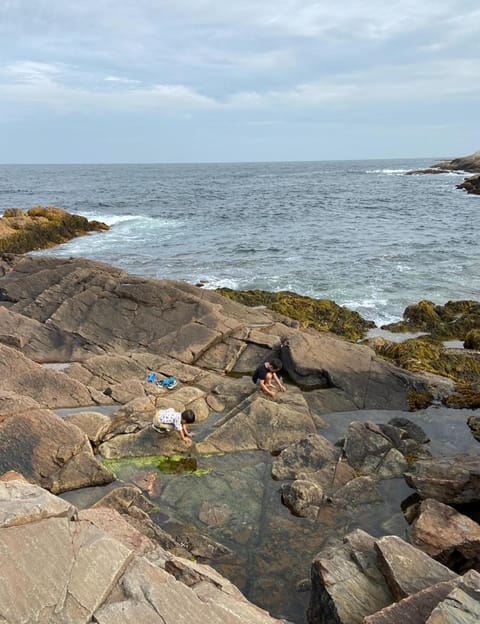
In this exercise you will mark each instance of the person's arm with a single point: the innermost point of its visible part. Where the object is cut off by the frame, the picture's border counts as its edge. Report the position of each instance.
(185, 435)
(278, 382)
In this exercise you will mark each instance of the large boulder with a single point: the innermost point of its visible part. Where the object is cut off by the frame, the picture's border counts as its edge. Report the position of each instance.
(363, 576)
(308, 455)
(373, 449)
(407, 569)
(46, 450)
(315, 360)
(450, 480)
(461, 605)
(346, 582)
(471, 185)
(447, 535)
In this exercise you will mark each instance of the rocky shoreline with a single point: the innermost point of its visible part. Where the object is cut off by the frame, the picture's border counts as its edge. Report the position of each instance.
(469, 164)
(84, 335)
(41, 227)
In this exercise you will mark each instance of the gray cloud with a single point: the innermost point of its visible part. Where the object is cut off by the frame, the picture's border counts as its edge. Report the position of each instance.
(290, 59)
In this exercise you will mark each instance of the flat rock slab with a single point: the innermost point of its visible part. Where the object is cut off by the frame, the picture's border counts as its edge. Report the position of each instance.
(346, 582)
(406, 569)
(262, 424)
(462, 605)
(414, 609)
(22, 502)
(56, 570)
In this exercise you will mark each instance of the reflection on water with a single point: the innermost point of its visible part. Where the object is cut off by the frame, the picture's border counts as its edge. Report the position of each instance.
(234, 500)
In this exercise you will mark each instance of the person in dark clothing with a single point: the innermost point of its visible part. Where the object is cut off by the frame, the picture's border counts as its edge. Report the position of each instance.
(265, 376)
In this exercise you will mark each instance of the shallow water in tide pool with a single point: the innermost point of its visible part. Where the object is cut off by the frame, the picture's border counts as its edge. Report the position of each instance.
(234, 500)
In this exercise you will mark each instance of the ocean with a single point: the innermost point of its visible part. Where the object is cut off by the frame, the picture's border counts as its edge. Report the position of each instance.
(361, 233)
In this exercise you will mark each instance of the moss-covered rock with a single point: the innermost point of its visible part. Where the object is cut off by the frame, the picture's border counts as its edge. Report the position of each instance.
(466, 395)
(472, 340)
(455, 319)
(424, 355)
(321, 314)
(41, 227)
(419, 400)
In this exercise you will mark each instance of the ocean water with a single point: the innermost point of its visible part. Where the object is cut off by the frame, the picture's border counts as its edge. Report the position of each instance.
(358, 232)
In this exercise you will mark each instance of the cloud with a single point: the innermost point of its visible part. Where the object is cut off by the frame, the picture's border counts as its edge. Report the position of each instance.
(32, 72)
(32, 84)
(123, 81)
(245, 62)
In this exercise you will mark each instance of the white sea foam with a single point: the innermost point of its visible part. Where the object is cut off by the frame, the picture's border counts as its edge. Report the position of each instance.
(217, 282)
(111, 219)
(389, 171)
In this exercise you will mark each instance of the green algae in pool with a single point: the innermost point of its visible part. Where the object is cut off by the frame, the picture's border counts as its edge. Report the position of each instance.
(173, 464)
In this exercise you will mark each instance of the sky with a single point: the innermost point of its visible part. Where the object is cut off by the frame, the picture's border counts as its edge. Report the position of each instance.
(109, 81)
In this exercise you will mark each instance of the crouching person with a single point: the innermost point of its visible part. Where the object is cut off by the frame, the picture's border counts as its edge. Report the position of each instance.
(170, 420)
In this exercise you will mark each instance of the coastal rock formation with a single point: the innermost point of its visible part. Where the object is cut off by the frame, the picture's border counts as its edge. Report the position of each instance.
(464, 163)
(59, 565)
(454, 320)
(362, 576)
(471, 185)
(262, 424)
(41, 227)
(450, 480)
(94, 308)
(469, 163)
(81, 334)
(443, 603)
(45, 449)
(447, 535)
(321, 473)
(320, 314)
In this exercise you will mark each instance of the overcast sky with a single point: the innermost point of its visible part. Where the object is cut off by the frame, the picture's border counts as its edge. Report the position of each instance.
(237, 80)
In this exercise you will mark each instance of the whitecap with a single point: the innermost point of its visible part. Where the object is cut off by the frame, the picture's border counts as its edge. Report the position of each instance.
(217, 282)
(389, 171)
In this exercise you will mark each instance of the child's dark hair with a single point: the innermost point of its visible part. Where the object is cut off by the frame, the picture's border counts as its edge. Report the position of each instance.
(276, 363)
(188, 416)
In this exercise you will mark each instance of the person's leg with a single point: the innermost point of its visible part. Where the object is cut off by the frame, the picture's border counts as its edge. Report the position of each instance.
(269, 379)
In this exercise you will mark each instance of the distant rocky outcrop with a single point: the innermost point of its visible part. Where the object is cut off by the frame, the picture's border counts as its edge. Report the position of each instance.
(41, 227)
(471, 185)
(465, 163)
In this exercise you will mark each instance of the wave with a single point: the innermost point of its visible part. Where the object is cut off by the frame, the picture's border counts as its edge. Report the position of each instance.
(389, 171)
(112, 219)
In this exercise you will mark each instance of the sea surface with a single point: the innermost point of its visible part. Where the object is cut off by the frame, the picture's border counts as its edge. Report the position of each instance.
(361, 233)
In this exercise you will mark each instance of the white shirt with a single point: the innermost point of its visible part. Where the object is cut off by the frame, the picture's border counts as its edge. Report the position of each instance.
(169, 417)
